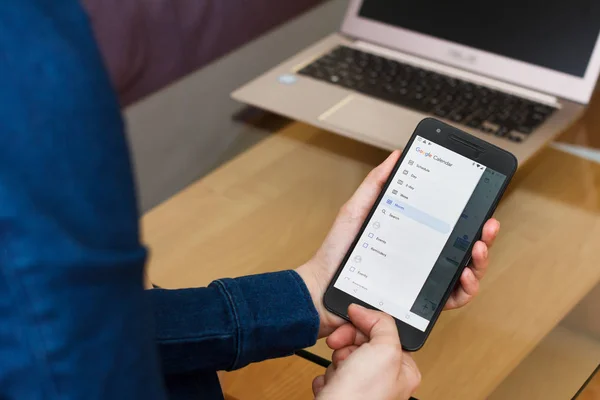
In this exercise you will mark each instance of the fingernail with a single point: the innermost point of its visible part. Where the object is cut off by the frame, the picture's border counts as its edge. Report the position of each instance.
(485, 252)
(358, 306)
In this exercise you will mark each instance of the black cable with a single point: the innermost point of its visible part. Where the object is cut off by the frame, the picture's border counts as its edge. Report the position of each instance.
(323, 362)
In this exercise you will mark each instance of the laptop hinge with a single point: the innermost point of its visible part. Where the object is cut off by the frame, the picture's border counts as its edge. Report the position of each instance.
(458, 73)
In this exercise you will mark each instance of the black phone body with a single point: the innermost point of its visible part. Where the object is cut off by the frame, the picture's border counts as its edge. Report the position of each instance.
(418, 237)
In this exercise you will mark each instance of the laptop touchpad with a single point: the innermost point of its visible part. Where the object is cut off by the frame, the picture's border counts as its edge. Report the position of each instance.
(372, 120)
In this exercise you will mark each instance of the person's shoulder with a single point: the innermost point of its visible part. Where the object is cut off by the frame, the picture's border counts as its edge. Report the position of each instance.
(48, 47)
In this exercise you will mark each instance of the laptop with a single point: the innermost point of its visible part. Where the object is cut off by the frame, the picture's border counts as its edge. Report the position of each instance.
(514, 73)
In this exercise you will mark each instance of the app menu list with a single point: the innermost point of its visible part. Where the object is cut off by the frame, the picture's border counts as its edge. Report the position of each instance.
(409, 228)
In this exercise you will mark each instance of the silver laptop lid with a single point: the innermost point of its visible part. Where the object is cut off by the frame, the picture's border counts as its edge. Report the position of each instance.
(547, 45)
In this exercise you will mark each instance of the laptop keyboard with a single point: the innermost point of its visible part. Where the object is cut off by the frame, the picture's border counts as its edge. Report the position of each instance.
(478, 107)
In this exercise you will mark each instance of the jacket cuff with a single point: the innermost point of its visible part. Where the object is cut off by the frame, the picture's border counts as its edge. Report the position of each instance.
(274, 313)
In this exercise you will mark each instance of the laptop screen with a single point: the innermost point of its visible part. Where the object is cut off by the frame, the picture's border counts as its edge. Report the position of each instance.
(559, 35)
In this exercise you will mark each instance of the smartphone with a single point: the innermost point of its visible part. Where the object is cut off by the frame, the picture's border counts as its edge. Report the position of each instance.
(418, 237)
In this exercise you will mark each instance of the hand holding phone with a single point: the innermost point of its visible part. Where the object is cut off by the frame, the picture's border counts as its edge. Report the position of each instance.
(417, 239)
(319, 271)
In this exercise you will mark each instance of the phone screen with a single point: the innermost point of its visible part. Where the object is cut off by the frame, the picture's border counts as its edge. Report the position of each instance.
(420, 232)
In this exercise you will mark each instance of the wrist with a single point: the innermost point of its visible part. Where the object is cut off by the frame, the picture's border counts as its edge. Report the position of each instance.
(316, 286)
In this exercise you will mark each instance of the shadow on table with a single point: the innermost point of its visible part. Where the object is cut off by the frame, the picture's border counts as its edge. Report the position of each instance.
(261, 119)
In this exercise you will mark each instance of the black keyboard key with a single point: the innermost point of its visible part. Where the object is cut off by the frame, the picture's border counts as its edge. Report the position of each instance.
(416, 96)
(451, 82)
(443, 110)
(494, 119)
(434, 101)
(390, 88)
(320, 74)
(457, 117)
(525, 129)
(502, 131)
(538, 116)
(469, 96)
(515, 138)
(542, 109)
(474, 122)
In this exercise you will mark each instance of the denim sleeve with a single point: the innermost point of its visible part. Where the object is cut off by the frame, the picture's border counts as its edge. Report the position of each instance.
(234, 322)
(74, 319)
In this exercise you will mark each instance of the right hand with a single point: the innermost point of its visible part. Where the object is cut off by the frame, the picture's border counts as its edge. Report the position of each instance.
(368, 361)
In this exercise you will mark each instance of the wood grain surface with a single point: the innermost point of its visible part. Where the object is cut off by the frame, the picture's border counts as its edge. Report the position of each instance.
(270, 208)
(287, 378)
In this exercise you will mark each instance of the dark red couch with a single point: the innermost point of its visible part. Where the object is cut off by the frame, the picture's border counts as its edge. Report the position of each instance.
(149, 43)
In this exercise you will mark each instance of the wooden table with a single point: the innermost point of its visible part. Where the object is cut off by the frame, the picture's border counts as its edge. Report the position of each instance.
(270, 208)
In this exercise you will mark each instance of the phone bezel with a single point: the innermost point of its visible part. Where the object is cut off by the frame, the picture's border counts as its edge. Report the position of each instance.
(337, 301)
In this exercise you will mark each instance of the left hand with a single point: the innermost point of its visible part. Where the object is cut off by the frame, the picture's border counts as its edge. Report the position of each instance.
(368, 361)
(318, 272)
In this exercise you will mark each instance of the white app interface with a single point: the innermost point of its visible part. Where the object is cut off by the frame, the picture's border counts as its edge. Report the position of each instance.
(403, 240)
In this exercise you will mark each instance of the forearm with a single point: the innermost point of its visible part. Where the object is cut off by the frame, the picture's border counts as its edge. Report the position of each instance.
(233, 322)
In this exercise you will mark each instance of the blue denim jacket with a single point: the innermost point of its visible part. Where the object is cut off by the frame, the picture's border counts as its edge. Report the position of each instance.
(75, 322)
(228, 325)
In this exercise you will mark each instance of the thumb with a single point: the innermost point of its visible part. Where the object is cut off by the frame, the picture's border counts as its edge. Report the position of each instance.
(370, 188)
(377, 326)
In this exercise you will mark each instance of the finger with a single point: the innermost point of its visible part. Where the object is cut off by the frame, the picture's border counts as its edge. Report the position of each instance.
(344, 336)
(480, 260)
(377, 326)
(341, 337)
(469, 283)
(464, 293)
(410, 364)
(490, 232)
(329, 373)
(340, 355)
(409, 361)
(318, 384)
(470, 277)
